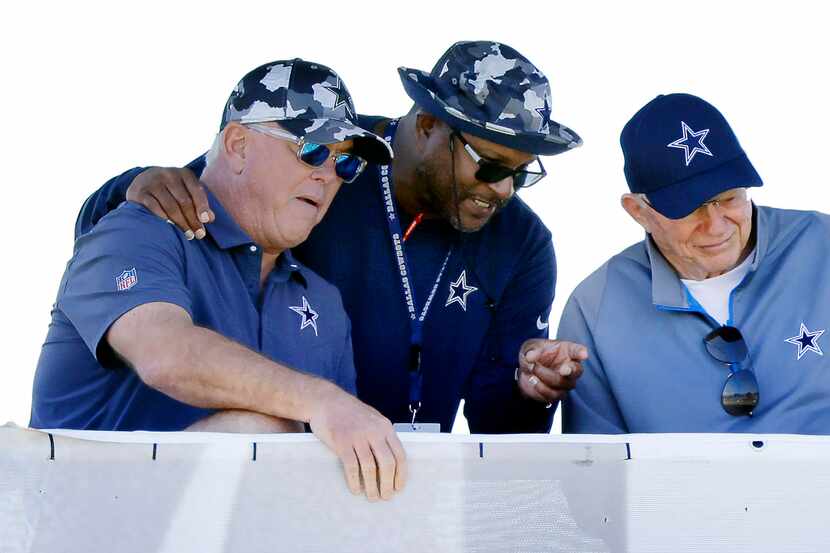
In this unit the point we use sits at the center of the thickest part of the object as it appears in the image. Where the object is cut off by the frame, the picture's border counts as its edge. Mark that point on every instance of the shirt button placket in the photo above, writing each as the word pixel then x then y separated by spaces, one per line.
pixel 254 270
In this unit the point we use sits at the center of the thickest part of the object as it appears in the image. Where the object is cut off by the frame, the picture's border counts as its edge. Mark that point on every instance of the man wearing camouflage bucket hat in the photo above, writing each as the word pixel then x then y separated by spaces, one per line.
pixel 448 282
pixel 151 331
pixel 714 322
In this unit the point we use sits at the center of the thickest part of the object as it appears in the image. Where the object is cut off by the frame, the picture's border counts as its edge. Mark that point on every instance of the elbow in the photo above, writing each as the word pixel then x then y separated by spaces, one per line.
pixel 163 367
pixel 156 373
pixel 157 341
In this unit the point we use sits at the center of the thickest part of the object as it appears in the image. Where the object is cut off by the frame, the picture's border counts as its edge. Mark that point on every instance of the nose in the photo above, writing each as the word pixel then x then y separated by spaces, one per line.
pixel 714 219
pixel 325 172
pixel 503 188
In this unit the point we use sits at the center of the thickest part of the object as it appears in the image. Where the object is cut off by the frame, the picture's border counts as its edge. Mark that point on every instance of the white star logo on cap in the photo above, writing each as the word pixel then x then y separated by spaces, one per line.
pixel 696 138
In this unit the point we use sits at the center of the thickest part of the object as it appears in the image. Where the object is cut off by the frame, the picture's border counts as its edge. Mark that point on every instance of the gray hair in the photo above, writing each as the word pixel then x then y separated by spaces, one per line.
pixel 213 153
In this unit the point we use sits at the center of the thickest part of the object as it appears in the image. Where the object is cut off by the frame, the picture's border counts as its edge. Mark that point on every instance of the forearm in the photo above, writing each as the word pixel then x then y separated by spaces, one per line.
pixel 246 422
pixel 208 370
pixel 200 367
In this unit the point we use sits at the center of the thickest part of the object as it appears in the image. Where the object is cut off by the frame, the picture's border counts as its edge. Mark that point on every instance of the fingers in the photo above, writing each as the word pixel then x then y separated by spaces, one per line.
pixel 172 211
pixel 364 440
pixel 576 351
pixel 527 384
pixel 552 352
pixel 377 468
pixel 179 193
pixel 351 468
pixel 546 393
pixel 384 472
pixel 198 196
pixel 400 461
pixel 552 384
pixel 368 471
pixel 550 368
pixel 533 350
pixel 385 462
pixel 155 207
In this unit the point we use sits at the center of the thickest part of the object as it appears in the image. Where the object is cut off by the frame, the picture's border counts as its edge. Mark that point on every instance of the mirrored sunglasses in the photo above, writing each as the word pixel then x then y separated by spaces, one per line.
pixel 740 393
pixel 347 166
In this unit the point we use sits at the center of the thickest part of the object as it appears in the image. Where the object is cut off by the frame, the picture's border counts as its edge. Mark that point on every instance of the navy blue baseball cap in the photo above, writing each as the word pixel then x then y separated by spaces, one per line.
pixel 680 152
pixel 491 91
pixel 309 100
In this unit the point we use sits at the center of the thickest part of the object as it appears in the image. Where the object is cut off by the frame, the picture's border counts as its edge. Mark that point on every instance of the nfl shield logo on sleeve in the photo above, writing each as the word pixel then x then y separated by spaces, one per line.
pixel 126 280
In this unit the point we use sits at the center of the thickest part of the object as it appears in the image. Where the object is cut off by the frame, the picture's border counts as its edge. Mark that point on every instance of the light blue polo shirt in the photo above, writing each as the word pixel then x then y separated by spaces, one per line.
pixel 131 258
pixel 649 370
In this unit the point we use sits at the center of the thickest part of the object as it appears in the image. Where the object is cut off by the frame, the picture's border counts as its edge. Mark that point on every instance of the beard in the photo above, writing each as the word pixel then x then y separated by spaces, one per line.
pixel 435 194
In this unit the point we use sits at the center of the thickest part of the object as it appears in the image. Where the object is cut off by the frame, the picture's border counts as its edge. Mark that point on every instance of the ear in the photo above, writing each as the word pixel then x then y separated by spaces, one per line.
pixel 426 125
pixel 234 146
pixel 637 209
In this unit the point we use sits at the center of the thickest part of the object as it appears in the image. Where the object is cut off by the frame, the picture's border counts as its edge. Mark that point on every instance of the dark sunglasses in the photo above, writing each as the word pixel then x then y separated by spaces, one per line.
pixel 740 393
pixel 346 166
pixel 490 171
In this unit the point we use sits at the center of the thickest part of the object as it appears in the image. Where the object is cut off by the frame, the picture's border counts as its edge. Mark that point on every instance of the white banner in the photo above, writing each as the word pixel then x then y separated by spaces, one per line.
pixel 179 492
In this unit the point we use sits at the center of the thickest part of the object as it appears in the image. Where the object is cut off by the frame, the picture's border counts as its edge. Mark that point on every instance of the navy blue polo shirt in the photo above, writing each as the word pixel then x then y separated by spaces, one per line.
pixel 131 258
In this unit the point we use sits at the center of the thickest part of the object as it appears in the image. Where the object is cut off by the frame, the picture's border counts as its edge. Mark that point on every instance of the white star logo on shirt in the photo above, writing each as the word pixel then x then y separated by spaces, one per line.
pixel 307 314
pixel 806 341
pixel 455 297
pixel 694 137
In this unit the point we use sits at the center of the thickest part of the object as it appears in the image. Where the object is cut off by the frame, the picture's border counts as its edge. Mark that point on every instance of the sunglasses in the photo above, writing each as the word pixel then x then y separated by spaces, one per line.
pixel 740 391
pixel 346 166
pixel 490 171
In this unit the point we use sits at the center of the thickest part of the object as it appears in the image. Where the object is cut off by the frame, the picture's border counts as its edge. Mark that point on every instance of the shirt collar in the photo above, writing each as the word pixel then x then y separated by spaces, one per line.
pixel 224 230
pixel 761 230
pixel 666 288
pixel 228 234
pixel 287 266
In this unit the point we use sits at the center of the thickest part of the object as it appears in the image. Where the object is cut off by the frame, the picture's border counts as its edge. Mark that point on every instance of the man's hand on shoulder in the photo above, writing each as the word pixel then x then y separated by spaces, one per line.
pixel 548 369
pixel 174 194
pixel 363 439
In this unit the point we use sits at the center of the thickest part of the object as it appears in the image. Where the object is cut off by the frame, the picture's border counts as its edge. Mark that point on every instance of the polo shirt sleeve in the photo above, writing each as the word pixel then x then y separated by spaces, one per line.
pixel 590 408
pixel 104 200
pixel 113 193
pixel 493 403
pixel 130 258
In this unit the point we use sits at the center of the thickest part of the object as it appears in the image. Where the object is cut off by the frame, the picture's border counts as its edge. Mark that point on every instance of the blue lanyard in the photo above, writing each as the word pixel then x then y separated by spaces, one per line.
pixel 416 320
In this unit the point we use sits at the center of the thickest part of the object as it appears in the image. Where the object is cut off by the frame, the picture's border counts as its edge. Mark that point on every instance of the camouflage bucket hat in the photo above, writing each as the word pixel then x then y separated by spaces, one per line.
pixel 307 99
pixel 491 91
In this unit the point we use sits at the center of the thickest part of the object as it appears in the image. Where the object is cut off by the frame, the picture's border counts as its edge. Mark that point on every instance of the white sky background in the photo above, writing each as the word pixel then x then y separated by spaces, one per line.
pixel 91 90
